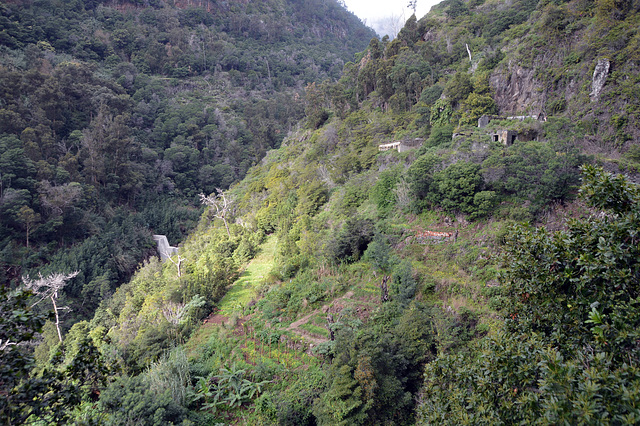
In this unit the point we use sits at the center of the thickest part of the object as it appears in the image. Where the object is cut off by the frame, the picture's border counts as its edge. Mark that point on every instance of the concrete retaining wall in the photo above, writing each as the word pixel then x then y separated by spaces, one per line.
pixel 164 249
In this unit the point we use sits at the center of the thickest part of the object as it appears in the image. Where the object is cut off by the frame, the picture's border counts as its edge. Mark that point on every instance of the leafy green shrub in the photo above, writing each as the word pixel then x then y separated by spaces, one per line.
pixel 379 254
pixel 484 203
pixel 342 403
pixel 557 106
pixel 431 94
pixel 459 87
pixel 312 196
pixel 403 283
pixel 383 193
pixel 420 178
pixel 346 165
pixel 619 121
pixel 456 8
pixel 440 135
pixel 456 186
pixel 536 172
pixel 569 345
pixel 491 61
pixel 633 153
pixel 352 240
pixel 292 404
pixel 376 369
pixel 529 380
pixel 316 292
pixel 475 106
pixel 211 283
pixel 131 400
pixel 441 112
pixel 149 346
pixel 456 331
pixel 595 262
pixel 353 196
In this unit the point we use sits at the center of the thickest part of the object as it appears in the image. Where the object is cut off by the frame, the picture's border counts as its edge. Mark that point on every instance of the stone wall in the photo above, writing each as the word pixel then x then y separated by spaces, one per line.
pixel 401 146
pixel 164 249
pixel 433 236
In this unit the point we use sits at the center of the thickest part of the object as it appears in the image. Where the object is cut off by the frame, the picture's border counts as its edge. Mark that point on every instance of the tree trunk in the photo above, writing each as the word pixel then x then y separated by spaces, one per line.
pixel 384 296
pixel 226 226
pixel 55 309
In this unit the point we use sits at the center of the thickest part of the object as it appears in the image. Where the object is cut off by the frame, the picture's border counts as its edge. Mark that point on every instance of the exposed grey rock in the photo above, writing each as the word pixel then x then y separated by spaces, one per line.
pixel 600 75
pixel 517 90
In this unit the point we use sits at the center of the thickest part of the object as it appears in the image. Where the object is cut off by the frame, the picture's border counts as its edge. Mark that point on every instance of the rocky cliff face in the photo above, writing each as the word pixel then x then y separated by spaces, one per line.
pixel 599 78
pixel 517 90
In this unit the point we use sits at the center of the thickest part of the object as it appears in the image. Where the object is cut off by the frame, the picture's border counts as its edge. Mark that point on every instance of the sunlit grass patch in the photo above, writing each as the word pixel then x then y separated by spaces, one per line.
pixel 314 329
pixel 244 289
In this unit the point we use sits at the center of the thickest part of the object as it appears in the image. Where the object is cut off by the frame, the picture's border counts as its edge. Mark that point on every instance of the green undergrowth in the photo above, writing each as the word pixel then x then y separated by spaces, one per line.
pixel 245 288
pixel 346 271
pixel 314 329
pixel 277 363
pixel 238 295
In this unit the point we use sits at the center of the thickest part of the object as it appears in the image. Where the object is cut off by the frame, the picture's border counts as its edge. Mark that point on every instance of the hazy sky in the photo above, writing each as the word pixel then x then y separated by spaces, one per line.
pixel 387 16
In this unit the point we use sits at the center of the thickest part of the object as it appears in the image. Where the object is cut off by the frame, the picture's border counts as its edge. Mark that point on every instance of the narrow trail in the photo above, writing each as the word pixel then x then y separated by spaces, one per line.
pixel 239 294
pixel 244 289
pixel 294 327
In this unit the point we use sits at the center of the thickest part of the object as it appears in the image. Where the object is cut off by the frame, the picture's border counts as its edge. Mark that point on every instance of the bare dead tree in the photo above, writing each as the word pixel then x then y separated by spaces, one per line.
pixel 173 312
pixel 178 263
pixel 220 206
pixel 390 25
pixel 4 344
pixel 48 288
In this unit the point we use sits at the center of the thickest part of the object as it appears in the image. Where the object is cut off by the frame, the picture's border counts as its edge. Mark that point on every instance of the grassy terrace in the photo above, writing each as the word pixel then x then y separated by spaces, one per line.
pixel 239 294
pixel 244 289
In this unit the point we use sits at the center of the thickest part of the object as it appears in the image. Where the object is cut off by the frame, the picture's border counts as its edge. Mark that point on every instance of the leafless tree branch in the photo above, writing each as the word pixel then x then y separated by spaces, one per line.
pixel 220 206
pixel 48 287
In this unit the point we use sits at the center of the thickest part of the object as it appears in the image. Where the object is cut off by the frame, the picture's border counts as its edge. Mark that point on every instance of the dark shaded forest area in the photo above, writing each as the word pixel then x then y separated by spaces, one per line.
pixel 114 116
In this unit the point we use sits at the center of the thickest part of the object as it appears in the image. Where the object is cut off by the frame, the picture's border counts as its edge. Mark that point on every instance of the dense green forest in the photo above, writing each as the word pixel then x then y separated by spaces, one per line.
pixel 115 116
pixel 485 272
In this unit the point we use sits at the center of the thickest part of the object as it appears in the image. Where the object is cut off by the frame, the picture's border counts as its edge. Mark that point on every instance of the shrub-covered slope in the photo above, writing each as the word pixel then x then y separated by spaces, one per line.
pixel 115 115
pixel 399 290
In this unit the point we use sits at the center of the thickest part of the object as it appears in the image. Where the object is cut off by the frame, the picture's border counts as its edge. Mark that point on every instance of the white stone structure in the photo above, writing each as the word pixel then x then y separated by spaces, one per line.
pixel 401 146
pixel 164 249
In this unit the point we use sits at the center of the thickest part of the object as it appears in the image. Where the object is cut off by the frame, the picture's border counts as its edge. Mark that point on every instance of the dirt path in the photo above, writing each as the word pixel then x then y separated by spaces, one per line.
pixel 294 327
pixel 238 296
pixel 215 319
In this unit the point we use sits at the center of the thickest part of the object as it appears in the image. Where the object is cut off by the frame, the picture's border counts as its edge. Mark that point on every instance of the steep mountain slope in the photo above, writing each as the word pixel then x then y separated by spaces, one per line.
pixel 115 115
pixel 401 292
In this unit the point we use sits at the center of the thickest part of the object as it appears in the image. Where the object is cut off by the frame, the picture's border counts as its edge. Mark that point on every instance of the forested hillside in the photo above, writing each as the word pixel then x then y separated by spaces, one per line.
pixel 116 115
pixel 446 236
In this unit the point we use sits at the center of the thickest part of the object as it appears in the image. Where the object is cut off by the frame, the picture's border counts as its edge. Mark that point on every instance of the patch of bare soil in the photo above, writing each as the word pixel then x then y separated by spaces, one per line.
pixel 215 319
